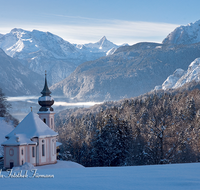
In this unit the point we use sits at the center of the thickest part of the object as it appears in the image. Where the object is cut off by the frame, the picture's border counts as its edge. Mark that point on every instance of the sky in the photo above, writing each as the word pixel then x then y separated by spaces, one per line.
pixel 84 21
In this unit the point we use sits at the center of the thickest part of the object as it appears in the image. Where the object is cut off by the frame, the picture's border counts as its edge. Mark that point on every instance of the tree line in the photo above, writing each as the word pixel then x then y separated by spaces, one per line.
pixel 155 130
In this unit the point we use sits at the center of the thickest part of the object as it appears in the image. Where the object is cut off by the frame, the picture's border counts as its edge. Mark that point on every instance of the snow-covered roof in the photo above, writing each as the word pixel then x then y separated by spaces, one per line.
pixel 58 144
pixel 19 139
pixel 32 126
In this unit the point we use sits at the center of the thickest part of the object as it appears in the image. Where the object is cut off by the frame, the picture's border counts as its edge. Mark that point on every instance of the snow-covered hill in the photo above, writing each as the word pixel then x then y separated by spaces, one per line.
pixel 181 77
pixel 155 177
pixel 189 34
pixel 42 51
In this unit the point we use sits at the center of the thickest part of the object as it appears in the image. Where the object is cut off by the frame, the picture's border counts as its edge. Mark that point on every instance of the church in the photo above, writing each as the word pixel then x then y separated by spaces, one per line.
pixel 34 139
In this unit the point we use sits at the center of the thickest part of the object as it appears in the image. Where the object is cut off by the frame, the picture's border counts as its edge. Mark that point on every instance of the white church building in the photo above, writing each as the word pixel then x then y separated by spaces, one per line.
pixel 34 139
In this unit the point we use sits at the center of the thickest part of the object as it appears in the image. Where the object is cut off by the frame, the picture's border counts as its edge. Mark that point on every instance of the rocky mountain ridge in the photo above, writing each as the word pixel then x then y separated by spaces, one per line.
pixel 181 77
pixel 129 72
pixel 41 51
pixel 188 34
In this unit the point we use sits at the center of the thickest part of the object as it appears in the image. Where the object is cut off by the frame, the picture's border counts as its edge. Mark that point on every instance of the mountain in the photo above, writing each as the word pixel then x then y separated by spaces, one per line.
pixel 181 77
pixel 42 51
pixel 171 80
pixel 129 72
pixel 103 45
pixel 1 35
pixel 189 34
pixel 16 79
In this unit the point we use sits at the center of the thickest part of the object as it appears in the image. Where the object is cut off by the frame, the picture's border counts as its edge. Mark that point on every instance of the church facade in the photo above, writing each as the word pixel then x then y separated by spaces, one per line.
pixel 34 139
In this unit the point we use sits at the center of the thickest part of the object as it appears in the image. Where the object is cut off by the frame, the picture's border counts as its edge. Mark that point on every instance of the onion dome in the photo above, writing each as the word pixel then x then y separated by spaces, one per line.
pixel 46 101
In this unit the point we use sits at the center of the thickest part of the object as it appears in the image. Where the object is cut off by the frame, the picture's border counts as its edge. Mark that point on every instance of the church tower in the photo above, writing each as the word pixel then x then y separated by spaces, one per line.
pixel 46 112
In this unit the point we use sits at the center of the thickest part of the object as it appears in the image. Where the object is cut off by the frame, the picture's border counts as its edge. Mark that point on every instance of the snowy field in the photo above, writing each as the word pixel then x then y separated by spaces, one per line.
pixel 76 177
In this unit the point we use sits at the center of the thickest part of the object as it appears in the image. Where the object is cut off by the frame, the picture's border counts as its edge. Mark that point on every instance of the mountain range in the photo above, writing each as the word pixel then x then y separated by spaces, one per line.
pixel 102 70
pixel 40 51
pixel 133 70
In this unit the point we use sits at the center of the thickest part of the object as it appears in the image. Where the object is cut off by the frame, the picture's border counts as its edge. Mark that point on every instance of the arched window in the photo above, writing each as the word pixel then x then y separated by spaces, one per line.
pixel 33 151
pixel 51 122
pixel 22 151
pixel 43 151
pixel 44 120
pixel 22 162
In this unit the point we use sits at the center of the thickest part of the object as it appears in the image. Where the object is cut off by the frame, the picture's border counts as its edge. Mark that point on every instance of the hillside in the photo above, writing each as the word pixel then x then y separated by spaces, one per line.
pixel 136 131
pixel 129 72
pixel 16 79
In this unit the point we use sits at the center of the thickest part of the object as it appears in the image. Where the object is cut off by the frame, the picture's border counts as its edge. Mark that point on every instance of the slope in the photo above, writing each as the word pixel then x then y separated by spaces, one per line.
pixel 16 79
pixel 130 71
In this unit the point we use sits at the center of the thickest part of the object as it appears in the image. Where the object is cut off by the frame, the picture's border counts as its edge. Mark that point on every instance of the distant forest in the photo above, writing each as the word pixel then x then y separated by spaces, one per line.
pixel 157 129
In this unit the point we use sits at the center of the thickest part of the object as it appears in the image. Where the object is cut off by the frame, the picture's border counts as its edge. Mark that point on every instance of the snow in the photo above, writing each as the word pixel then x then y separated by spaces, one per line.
pixel 171 80
pixel 58 144
pixel 189 34
pixel 32 126
pixel 165 177
pixel 58 165
pixel 103 45
pixel 26 166
pixel 18 139
pixel 181 77
pixel 193 73
pixel 111 51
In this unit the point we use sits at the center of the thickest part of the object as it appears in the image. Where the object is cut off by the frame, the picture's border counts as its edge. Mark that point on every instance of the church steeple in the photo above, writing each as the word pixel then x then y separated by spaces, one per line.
pixel 46 101
pixel 46 112
pixel 46 91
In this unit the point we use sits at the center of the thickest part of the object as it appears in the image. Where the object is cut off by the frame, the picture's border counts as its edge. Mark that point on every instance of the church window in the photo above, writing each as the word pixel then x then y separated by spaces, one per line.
pixel 22 151
pixel 51 122
pixel 33 151
pixel 11 152
pixel 22 162
pixel 44 120
pixel 43 153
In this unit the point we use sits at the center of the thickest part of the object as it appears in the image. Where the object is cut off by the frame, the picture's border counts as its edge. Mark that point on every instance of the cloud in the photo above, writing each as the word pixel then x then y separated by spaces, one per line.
pixel 84 30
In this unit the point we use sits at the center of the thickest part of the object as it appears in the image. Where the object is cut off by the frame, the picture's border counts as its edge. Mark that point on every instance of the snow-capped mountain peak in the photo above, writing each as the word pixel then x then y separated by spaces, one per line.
pixel 41 51
pixel 181 77
pixel 102 45
pixel 188 34
pixel 102 41
pixel 171 80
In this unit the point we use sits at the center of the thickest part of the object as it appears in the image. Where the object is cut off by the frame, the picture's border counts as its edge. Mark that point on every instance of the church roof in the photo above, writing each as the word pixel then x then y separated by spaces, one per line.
pixel 32 126
pixel 19 139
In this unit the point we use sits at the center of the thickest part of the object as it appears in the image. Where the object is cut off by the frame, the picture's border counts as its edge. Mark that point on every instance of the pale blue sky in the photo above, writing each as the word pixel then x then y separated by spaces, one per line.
pixel 82 21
